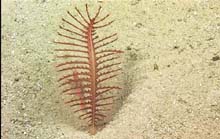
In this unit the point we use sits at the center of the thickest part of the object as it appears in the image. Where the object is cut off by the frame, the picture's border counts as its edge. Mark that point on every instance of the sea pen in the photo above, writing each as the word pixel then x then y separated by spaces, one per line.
pixel 87 64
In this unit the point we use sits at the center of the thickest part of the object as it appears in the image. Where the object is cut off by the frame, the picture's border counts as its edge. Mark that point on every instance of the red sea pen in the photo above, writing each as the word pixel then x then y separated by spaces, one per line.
pixel 87 65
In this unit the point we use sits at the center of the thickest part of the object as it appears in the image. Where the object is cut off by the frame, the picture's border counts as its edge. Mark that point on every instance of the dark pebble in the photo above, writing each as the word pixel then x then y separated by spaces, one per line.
pixel 215 58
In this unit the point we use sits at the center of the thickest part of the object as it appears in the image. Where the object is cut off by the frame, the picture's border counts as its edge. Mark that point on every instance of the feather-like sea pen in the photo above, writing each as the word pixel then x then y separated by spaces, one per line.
pixel 87 64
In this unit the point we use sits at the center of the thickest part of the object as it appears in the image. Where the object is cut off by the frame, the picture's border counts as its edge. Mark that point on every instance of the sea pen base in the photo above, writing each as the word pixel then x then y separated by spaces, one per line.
pixel 92 130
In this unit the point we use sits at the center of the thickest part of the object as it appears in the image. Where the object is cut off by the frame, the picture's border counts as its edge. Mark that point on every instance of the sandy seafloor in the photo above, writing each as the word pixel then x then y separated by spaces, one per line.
pixel 171 67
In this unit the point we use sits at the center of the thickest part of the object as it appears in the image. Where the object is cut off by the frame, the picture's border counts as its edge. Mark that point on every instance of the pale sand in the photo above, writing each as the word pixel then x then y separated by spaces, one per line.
pixel 171 70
